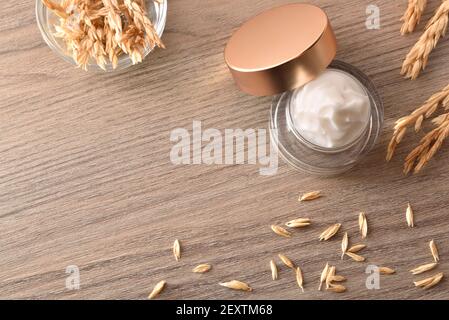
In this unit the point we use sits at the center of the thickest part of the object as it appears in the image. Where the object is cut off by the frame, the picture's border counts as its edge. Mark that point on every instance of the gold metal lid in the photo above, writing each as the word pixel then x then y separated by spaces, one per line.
pixel 281 49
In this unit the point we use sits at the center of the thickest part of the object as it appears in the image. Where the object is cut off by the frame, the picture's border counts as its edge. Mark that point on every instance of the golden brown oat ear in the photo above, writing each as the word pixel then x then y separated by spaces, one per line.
pixel 432 141
pixel 417 58
pixel 412 15
pixel 56 8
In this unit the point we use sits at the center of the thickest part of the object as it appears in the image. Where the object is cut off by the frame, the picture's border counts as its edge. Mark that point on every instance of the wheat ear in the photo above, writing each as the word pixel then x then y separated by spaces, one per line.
pixel 417 58
pixel 412 15
pixel 417 117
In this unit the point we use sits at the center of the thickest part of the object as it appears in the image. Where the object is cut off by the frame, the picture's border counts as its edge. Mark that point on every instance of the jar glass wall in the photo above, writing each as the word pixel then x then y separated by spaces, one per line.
pixel 308 157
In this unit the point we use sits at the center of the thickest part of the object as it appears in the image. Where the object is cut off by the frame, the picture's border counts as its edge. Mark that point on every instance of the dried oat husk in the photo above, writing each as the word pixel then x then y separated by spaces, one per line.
pixel 412 15
pixel 299 223
pixel 236 285
pixel 299 278
pixel 337 288
pixel 418 57
pixel 386 271
pixel 356 248
pixel 363 225
pixel 323 276
pixel 202 268
pixel 309 196
pixel 157 290
pixel 281 231
pixel 344 245
pixel 330 232
pixel 177 250
pixel 102 30
pixel 330 275
pixel 432 141
pixel 434 251
pixel 355 256
pixel 286 261
pixel 424 268
pixel 274 270
pixel 429 282
pixel 409 216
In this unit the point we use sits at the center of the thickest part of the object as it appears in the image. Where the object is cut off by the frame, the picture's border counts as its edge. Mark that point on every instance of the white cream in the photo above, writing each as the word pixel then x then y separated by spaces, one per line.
pixel 332 110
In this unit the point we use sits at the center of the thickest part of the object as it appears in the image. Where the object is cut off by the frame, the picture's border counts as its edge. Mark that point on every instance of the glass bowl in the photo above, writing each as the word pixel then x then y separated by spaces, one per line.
pixel 46 21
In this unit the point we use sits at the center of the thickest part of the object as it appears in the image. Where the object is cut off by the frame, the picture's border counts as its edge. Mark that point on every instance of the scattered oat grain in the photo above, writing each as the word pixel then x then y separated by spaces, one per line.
pixel 434 251
pixel 286 261
pixel 202 268
pixel 236 285
pixel 299 223
pixel 386 270
pixel 356 248
pixel 177 250
pixel 274 270
pixel 429 282
pixel 157 289
pixel 344 245
pixel 355 257
pixel 281 231
pixel 424 268
pixel 337 288
pixel 363 225
pixel 330 232
pixel 299 278
pixel 410 216
pixel 310 196
pixel 324 275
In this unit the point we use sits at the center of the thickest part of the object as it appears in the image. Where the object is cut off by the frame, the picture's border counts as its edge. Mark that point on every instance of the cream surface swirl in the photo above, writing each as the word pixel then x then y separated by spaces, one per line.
pixel 332 110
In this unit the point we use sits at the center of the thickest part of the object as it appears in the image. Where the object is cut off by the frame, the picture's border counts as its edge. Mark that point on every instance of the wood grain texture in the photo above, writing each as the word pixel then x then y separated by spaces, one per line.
pixel 86 178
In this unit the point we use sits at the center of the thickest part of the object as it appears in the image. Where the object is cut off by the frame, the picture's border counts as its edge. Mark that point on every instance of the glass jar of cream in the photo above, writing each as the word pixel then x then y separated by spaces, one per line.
pixel 326 114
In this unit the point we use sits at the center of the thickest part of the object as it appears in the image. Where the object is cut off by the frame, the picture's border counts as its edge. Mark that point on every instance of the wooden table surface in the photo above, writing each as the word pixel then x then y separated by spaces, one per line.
pixel 86 177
